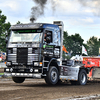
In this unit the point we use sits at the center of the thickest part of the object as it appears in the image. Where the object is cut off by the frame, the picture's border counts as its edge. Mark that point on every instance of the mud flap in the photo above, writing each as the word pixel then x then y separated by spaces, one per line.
pixel 96 73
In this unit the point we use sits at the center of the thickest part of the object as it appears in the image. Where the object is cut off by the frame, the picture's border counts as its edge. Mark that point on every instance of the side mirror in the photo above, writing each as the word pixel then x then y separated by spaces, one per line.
pixel 6 39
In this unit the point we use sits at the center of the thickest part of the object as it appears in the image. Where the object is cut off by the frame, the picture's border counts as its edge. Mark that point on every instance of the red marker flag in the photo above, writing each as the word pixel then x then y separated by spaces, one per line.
pixel 64 49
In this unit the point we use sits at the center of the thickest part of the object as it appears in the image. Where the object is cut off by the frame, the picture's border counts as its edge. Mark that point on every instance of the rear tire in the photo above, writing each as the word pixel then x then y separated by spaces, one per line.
pixel 18 79
pixel 82 77
pixel 52 76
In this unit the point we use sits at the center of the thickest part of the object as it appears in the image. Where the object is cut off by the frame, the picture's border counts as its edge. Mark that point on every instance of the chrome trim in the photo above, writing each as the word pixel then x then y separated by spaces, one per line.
pixel 38 75
pixel 68 78
pixel 29 50
pixel 12 54
pixel 32 54
pixel 14 50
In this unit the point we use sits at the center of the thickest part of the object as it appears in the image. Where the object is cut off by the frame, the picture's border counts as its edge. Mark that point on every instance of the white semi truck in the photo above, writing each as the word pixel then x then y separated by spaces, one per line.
pixel 29 56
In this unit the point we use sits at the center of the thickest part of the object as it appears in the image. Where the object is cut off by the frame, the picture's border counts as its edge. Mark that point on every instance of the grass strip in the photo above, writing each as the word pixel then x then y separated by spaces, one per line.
pixel 1 73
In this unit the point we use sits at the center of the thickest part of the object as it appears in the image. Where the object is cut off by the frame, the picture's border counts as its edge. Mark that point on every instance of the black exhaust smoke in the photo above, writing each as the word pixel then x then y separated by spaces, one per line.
pixel 38 10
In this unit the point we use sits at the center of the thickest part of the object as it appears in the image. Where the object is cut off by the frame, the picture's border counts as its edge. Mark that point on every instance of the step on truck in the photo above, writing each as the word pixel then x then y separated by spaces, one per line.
pixel 34 50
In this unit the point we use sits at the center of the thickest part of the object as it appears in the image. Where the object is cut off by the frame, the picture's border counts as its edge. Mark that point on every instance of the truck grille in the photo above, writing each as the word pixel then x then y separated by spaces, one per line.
pixel 22 55
pixel 34 56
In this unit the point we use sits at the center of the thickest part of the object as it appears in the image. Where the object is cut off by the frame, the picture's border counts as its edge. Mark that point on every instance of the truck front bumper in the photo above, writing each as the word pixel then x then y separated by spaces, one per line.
pixel 27 75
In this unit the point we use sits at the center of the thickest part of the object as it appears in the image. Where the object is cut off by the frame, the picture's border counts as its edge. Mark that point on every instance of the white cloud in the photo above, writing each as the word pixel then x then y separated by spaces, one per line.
pixel 68 6
pixel 10 5
pixel 94 5
pixel 72 11
pixel 87 20
pixel 16 10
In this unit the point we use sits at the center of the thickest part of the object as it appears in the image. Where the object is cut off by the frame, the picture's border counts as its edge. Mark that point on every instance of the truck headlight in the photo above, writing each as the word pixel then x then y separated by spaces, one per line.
pixel 36 70
pixel 8 63
pixel 40 63
pixel 36 64
pixel 7 70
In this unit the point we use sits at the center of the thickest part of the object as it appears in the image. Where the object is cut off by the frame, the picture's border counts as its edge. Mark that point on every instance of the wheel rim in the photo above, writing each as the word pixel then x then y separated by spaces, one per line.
pixel 83 78
pixel 53 76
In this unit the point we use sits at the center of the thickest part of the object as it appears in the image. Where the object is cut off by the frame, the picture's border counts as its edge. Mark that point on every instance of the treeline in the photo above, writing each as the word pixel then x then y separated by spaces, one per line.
pixel 73 43
pixel 4 29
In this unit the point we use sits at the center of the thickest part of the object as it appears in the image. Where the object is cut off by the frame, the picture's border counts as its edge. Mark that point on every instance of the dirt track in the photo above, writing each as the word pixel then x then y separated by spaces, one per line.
pixel 1 70
pixel 36 89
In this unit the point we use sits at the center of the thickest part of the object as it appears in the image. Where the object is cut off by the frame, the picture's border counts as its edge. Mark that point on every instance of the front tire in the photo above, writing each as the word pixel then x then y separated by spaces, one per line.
pixel 82 77
pixel 52 76
pixel 18 79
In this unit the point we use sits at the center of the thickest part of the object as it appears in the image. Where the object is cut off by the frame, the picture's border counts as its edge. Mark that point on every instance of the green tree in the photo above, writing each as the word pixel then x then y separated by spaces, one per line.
pixel 73 43
pixel 18 22
pixel 4 29
pixel 93 46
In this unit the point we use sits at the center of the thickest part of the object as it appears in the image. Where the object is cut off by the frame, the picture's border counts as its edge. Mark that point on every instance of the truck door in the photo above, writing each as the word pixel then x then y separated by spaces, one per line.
pixel 52 44
pixel 48 47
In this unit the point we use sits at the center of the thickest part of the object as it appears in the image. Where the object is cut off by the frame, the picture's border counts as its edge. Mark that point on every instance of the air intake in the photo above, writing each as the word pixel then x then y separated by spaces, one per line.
pixel 59 23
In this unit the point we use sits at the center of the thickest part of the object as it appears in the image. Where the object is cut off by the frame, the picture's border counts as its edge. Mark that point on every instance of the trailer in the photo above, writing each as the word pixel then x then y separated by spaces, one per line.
pixel 93 65
pixel 32 55
pixel 0 58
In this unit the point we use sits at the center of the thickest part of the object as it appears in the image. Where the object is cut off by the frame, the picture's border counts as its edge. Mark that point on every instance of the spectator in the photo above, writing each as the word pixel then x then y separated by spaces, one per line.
pixel 45 37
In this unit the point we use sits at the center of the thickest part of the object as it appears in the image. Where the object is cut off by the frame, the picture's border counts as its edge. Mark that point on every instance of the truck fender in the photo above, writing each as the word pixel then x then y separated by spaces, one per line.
pixel 86 69
pixel 52 60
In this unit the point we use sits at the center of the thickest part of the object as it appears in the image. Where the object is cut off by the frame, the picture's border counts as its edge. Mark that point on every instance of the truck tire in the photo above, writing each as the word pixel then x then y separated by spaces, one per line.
pixel 82 77
pixel 52 76
pixel 18 79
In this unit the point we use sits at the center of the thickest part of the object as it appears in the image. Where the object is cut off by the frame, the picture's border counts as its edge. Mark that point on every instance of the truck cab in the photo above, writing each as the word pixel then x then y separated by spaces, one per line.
pixel 28 54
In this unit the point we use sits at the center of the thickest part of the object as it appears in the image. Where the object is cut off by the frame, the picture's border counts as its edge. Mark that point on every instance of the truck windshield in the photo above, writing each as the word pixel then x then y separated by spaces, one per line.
pixel 25 37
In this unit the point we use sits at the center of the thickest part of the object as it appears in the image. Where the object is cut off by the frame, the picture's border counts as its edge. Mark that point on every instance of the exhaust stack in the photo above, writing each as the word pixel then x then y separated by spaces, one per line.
pixel 32 20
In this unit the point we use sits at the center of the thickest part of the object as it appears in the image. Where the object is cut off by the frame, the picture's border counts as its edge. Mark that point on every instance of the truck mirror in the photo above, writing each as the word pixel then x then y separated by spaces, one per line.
pixel 6 39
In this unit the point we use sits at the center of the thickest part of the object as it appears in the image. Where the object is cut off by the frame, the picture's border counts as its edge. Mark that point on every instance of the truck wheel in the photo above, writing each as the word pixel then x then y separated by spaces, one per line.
pixel 18 79
pixel 82 77
pixel 52 76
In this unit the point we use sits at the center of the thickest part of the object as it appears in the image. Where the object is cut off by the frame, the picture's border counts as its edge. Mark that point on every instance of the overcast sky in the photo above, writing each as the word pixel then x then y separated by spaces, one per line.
pixel 79 16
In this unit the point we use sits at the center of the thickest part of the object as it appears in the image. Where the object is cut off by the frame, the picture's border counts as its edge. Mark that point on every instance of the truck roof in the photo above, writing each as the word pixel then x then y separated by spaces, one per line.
pixel 33 26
